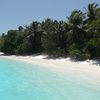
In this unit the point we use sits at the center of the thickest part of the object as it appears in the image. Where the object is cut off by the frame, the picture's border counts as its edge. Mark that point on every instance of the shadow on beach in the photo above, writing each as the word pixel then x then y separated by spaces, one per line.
pixel 52 57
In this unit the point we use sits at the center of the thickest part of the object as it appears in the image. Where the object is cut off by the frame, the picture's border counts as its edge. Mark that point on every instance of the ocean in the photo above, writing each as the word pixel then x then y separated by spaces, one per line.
pixel 24 81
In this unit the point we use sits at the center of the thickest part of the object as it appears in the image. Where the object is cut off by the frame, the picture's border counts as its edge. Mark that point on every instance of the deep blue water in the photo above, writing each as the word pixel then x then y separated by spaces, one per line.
pixel 24 81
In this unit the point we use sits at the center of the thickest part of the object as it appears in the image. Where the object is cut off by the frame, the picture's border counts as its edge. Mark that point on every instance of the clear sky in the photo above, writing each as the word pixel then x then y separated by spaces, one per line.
pixel 14 13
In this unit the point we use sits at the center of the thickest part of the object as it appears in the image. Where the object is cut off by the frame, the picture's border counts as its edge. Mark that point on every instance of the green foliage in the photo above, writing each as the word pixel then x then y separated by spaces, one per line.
pixel 8 44
pixel 93 48
pixel 92 11
pixel 54 39
pixel 76 17
pixel 1 42
pixel 75 52
pixel 79 37
pixel 25 48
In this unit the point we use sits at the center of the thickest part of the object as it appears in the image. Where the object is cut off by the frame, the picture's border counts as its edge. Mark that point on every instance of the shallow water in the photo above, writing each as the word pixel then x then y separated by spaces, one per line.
pixel 24 81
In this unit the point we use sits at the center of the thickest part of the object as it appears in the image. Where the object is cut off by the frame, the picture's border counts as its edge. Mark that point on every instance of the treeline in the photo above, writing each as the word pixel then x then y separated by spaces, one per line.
pixel 78 37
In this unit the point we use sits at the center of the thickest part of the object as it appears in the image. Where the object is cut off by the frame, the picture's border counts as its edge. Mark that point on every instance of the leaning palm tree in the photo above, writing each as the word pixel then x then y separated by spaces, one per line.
pixel 76 17
pixel 92 11
pixel 93 15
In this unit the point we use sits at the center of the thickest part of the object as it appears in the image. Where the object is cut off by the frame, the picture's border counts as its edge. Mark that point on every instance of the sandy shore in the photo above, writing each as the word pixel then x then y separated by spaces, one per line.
pixel 88 71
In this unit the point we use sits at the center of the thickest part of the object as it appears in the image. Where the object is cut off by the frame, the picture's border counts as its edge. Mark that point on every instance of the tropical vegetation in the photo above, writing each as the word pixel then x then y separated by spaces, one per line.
pixel 78 37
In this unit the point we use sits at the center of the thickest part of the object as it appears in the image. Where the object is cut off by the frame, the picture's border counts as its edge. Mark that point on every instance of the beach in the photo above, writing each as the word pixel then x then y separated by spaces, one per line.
pixel 88 71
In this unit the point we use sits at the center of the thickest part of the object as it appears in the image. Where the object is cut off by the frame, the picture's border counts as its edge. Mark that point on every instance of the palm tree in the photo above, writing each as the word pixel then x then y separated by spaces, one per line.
pixel 76 17
pixel 92 11
pixel 76 32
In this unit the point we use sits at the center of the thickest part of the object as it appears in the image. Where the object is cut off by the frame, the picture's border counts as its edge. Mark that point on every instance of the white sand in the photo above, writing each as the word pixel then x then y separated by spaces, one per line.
pixel 79 70
pixel 1 53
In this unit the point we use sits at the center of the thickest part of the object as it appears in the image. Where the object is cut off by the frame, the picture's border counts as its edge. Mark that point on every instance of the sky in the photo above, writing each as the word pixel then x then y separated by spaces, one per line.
pixel 14 13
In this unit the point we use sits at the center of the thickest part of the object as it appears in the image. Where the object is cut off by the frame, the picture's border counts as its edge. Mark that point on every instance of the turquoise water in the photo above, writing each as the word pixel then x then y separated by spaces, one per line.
pixel 23 81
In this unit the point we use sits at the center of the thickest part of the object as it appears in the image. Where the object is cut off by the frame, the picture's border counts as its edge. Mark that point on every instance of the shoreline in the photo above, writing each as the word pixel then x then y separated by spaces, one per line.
pixel 78 70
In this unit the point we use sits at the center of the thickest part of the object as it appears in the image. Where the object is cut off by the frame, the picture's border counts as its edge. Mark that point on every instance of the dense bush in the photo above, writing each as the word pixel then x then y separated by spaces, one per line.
pixel 79 37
